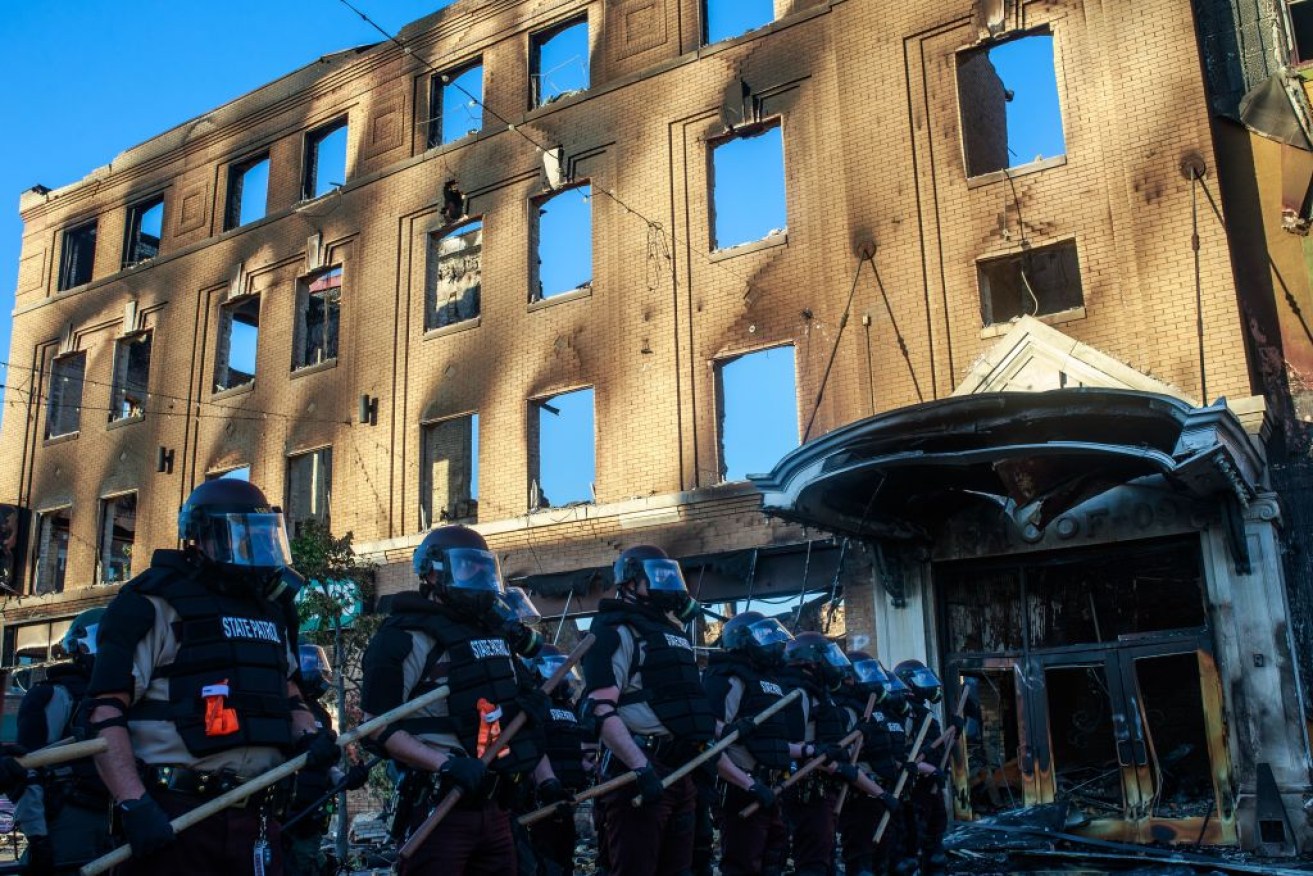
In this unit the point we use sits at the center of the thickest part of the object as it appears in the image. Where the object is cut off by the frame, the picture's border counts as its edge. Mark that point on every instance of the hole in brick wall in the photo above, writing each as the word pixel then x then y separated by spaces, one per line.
pixel 455 276
pixel 309 489
pixel 559 62
pixel 319 311
pixel 758 404
pixel 565 242
pixel 325 159
pixel 248 192
pixel 449 474
pixel 564 467
pixel 118 531
pixel 131 375
pixel 64 396
pixel 238 341
pixel 145 227
pixel 455 107
pixel 1008 99
pixel 726 19
pixel 747 182
pixel 1033 282
pixel 78 256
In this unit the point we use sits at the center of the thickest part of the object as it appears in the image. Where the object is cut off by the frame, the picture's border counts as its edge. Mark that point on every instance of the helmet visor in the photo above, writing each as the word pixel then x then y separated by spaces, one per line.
pixel 519 607
pixel 923 678
pixel 314 660
pixel 870 672
pixel 835 657
pixel 257 541
pixel 768 632
pixel 467 569
pixel 664 576
pixel 549 663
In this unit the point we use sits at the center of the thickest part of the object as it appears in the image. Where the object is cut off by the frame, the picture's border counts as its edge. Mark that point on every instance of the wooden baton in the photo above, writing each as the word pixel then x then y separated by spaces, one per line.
pixel 857 753
pixel 803 771
pixel 902 777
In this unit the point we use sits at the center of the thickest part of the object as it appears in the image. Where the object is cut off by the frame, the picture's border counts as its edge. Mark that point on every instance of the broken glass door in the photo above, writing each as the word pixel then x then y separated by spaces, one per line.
pixel 997 771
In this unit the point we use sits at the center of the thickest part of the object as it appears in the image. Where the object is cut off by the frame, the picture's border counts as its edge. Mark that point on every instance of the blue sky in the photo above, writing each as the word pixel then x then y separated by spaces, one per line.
pixel 87 79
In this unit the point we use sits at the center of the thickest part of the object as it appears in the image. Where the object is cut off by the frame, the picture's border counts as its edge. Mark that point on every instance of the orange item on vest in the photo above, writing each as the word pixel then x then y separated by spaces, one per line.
pixel 219 720
pixel 489 727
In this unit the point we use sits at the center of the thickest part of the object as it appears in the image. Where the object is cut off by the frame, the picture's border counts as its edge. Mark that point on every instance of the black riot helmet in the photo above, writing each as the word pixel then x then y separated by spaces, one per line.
pixel 763 639
pixel 454 564
pixel 316 670
pixel 869 675
pixel 549 659
pixel 231 524
pixel 79 642
pixel 666 590
pixel 823 658
pixel 921 681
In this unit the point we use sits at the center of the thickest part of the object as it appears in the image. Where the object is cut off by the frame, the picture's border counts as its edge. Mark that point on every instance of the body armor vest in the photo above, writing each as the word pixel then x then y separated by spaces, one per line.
pixel 74 679
pixel 769 743
pixel 481 667
pixel 828 719
pixel 671 684
pixel 231 659
pixel 885 737
pixel 564 746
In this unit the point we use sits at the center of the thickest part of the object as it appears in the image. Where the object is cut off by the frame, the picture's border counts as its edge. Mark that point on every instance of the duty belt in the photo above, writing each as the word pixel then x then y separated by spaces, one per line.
pixel 200 783
pixel 665 749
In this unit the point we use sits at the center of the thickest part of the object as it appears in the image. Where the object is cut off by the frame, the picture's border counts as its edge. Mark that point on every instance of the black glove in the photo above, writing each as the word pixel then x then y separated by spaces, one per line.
pixel 870 730
pixel 466 773
pixel 744 726
pixel 535 704
pixel 13 778
pixel 846 771
pixel 650 789
pixel 764 793
pixel 957 723
pixel 834 753
pixel 310 786
pixel 40 857
pixel 146 825
pixel 320 749
pixel 890 802
pixel 357 776
pixel 552 791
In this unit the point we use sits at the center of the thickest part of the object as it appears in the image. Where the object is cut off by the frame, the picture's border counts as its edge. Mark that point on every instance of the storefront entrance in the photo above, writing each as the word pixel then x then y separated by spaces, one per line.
pixel 1091 682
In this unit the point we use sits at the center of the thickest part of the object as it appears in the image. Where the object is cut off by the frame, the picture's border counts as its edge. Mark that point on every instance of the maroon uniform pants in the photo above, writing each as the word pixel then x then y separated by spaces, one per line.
pixel 752 845
pixel 651 840
pixel 222 845
pixel 471 839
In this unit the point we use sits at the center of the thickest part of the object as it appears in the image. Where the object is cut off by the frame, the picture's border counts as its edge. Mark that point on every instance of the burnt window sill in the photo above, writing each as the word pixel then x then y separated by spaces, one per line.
pixel 585 291
pixel 780 238
pixel 315 368
pixel 995 176
pixel 120 422
pixel 60 439
pixel 452 328
pixel 1058 318
pixel 232 391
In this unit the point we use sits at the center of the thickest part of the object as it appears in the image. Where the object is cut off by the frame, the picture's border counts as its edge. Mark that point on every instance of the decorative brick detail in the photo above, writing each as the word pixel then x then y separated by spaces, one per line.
pixel 192 207
pixel 32 271
pixel 387 127
pixel 639 26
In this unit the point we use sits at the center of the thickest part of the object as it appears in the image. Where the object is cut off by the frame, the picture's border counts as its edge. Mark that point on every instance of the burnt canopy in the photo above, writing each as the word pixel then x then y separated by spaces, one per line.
pixel 1033 455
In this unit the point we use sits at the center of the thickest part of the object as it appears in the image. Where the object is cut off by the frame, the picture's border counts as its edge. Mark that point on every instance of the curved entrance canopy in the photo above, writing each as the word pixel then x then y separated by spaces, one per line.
pixel 1034 455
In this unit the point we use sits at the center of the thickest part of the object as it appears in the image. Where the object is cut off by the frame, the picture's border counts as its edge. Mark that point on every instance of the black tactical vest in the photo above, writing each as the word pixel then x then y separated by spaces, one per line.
pixel 829 719
pixel 884 735
pixel 670 681
pixel 769 743
pixel 74 679
pixel 230 646
pixel 480 665
pixel 564 746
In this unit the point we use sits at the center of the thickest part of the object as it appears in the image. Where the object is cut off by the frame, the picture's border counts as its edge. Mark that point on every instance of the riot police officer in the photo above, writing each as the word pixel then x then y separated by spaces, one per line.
pixel 63 814
pixel 453 631
pixel 741 681
pixel 883 747
pixel 566 738
pixel 195 682
pixel 927 796
pixel 652 714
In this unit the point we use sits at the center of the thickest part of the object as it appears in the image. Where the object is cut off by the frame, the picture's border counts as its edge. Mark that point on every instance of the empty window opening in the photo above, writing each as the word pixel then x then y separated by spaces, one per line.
pixel 1034 282
pixel 1177 732
pixel 78 257
pixel 449 479
pixel 30 643
pixel 309 489
pixel 248 192
pixel 726 19
pixel 318 318
pixel 118 531
pixel 455 276
pixel 1008 98
pixel 560 62
pixel 240 473
pixel 1082 733
pixel 53 528
pixel 64 399
pixel 1301 29
pixel 131 374
pixel 239 334
pixel 747 179
pixel 758 411
pixel 565 243
pixel 455 105
pixel 993 741
pixel 565 465
pixel 145 227
pixel 325 159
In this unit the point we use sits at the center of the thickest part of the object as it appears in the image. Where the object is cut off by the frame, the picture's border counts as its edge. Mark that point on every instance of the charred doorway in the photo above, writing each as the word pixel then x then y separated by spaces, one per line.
pixel 1091 681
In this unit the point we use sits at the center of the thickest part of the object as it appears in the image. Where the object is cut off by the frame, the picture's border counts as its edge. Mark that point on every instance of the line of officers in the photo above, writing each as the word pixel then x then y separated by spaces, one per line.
pixel 193 677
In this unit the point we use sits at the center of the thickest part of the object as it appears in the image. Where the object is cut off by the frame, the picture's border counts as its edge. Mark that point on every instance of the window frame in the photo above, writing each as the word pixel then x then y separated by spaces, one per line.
pixel 301 328
pixel 722 399
pixel 67 261
pixel 537 295
pixel 743 133
pixel 538 39
pixel 225 311
pixel 51 397
pixel 132 231
pixel 105 527
pixel 122 346
pixel 433 137
pixel 232 204
pixel 985 289
pixel 432 268
pixel 314 139
pixel 428 517
pixel 325 517
pixel 538 407
pixel 40 557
